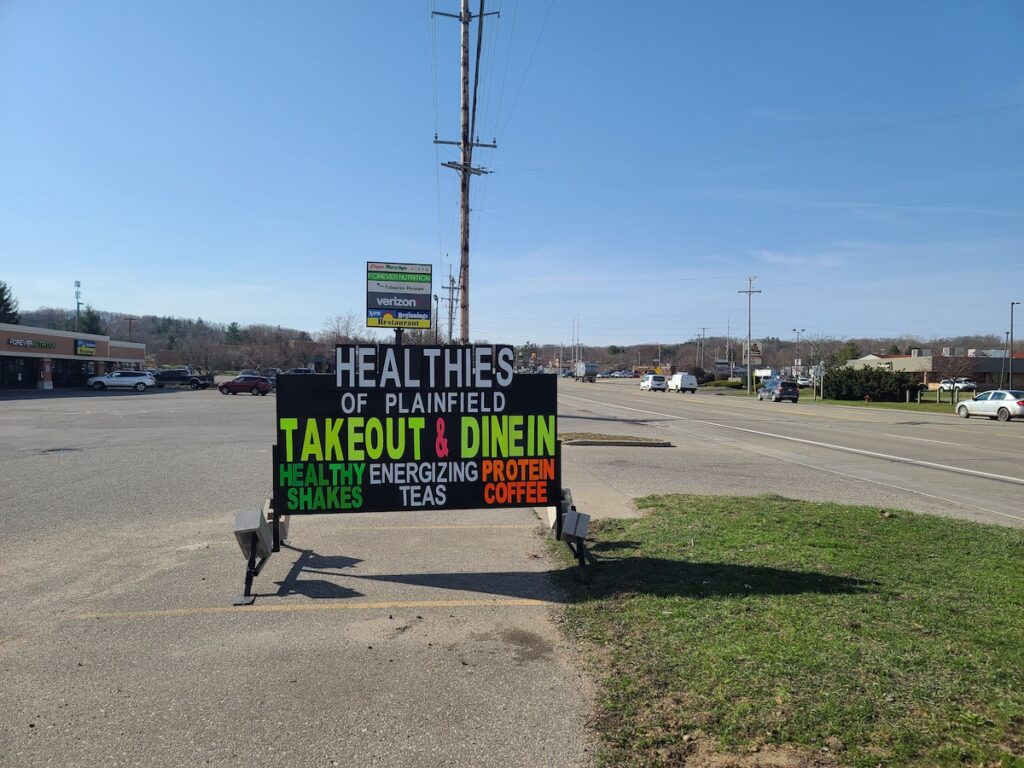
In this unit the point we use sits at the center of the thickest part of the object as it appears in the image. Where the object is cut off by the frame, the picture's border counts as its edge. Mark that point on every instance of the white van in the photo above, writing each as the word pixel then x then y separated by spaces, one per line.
pixel 682 382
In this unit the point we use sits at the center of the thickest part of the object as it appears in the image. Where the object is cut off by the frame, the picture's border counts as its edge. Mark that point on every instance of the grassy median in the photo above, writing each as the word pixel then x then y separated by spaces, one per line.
pixel 851 635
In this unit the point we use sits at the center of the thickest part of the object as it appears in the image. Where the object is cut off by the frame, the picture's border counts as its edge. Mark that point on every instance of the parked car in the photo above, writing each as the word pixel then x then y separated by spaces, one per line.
pixel 183 377
pixel 137 380
pixel 249 372
pixel 682 382
pixel 779 390
pixel 300 370
pixel 1002 404
pixel 948 385
pixel 653 382
pixel 803 382
pixel 256 385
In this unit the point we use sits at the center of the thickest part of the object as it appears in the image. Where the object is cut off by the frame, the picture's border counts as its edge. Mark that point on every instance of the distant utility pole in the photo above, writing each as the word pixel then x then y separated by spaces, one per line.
pixel 750 292
pixel 450 299
pixel 1010 361
pixel 728 343
pixel 466 143
pixel 700 347
pixel 1002 365
pixel 577 350
pixel 798 331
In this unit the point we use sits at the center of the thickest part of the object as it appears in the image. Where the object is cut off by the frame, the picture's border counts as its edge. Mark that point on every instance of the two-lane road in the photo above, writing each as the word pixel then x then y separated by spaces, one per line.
pixel 930 463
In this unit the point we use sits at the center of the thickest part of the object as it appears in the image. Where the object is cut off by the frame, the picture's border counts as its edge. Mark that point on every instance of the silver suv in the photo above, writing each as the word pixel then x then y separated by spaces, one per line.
pixel 959 384
pixel 137 380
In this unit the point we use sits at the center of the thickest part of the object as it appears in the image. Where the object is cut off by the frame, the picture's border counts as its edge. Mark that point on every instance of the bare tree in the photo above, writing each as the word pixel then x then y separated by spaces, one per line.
pixel 206 352
pixel 339 329
pixel 954 367
pixel 816 347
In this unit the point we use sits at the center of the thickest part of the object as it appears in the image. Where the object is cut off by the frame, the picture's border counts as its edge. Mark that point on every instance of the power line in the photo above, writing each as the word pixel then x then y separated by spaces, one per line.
pixel 508 61
pixel 528 64
pixel 872 206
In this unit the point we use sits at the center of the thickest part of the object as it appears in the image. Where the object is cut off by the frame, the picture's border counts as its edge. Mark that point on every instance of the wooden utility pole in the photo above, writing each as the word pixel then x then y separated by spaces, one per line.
pixel 450 298
pixel 750 374
pixel 703 334
pixel 466 143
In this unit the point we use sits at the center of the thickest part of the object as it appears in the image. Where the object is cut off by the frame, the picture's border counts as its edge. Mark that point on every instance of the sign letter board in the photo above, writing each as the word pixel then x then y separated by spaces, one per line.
pixel 411 427
pixel 398 295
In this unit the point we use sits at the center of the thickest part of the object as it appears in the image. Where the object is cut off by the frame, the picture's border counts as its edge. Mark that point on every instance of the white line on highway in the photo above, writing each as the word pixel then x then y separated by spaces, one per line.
pixel 816 443
pixel 926 440
pixel 1018 518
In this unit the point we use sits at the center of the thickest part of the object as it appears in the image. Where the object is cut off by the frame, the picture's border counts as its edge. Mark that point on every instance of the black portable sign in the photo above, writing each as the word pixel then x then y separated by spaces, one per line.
pixel 411 427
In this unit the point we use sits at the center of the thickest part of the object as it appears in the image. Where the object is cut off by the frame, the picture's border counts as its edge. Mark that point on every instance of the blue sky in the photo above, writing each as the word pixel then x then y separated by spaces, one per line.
pixel 241 161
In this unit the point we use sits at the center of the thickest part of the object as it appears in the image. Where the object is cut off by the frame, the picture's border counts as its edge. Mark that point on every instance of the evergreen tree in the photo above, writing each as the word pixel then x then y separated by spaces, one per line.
pixel 8 305
pixel 233 334
pixel 849 351
pixel 91 322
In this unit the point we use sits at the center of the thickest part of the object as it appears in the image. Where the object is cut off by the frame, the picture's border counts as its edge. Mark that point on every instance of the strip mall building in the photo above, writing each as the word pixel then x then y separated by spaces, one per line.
pixel 41 358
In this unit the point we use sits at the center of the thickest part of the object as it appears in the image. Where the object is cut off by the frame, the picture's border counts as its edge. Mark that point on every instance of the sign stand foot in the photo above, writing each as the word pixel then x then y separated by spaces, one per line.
pixel 254 539
pixel 571 527
pixel 247 597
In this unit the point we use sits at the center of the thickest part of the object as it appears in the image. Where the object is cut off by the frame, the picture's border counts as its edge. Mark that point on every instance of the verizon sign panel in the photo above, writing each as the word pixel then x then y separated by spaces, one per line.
pixel 398 295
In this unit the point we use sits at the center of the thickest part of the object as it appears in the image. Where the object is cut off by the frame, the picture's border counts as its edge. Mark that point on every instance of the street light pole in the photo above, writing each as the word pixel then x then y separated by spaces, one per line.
pixel 798 332
pixel 1010 385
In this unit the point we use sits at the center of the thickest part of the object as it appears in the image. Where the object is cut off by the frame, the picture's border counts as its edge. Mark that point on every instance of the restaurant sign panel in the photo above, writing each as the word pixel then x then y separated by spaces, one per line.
pixel 416 427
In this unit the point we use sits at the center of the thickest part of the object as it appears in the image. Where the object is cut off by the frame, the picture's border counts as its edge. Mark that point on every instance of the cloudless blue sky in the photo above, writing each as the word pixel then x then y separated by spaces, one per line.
pixel 241 161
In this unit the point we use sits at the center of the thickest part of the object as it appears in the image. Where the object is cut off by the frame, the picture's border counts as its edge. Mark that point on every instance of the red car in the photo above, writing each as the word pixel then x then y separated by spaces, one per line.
pixel 256 385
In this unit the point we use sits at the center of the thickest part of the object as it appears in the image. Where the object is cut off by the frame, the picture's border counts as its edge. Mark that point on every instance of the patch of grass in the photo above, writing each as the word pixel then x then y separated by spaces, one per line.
pixel 759 621
pixel 566 436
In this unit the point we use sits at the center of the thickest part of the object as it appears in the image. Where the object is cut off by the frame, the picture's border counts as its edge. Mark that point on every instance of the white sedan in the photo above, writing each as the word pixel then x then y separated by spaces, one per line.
pixel 137 380
pixel 1002 404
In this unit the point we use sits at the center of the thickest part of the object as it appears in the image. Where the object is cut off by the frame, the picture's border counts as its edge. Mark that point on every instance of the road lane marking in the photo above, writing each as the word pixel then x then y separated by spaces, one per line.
pixel 1018 518
pixel 940 442
pixel 850 476
pixel 530 526
pixel 169 613
pixel 818 444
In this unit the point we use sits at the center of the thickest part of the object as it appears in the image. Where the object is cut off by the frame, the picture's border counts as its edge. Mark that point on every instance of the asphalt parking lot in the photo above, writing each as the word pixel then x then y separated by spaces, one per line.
pixel 390 639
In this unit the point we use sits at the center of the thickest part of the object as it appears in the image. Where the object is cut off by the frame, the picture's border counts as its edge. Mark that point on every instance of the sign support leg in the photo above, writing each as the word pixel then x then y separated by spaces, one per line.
pixel 255 565
pixel 247 597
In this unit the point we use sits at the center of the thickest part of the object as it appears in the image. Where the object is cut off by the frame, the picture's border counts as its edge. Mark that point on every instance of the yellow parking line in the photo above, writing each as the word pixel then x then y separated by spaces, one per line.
pixel 432 527
pixel 168 613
